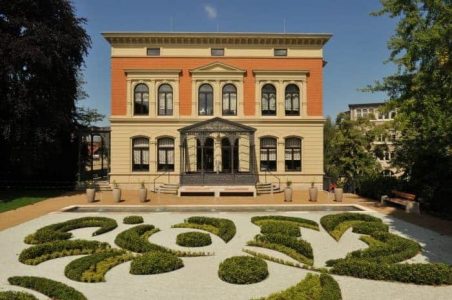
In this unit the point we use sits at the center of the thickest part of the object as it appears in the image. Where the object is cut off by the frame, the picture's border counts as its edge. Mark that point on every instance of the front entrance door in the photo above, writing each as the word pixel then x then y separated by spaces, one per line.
pixel 205 162
pixel 226 156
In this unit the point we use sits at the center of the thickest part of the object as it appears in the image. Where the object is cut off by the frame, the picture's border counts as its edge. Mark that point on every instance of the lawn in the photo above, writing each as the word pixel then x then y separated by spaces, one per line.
pixel 10 200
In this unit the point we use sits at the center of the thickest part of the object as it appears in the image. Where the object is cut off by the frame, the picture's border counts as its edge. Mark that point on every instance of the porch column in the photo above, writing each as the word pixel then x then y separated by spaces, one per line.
pixel 244 153
pixel 232 156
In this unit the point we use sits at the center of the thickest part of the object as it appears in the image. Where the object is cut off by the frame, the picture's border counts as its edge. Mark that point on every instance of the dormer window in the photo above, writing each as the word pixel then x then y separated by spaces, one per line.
pixel 280 52
pixel 217 51
pixel 153 52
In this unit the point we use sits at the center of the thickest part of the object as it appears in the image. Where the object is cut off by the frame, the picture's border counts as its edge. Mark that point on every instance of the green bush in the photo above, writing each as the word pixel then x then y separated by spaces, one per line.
pixel 10 295
pixel 334 224
pixel 223 228
pixel 193 239
pixel 283 249
pixel 135 239
pixel 280 227
pixel 133 220
pixel 155 263
pixel 36 254
pixel 299 221
pixel 377 186
pixel 312 287
pixel 300 246
pixel 243 270
pixel 92 268
pixel 59 231
pixel 50 288
pixel 429 274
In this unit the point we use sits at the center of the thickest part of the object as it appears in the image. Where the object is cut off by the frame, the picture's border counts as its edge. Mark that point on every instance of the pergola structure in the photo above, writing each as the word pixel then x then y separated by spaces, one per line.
pixel 217 151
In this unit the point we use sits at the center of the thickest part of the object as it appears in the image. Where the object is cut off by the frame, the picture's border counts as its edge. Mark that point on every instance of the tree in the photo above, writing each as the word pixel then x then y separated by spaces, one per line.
pixel 422 93
pixel 349 153
pixel 42 49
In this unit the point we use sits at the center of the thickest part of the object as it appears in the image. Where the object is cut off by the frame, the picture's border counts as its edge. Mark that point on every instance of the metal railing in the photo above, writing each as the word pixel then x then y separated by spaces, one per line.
pixel 167 172
pixel 270 172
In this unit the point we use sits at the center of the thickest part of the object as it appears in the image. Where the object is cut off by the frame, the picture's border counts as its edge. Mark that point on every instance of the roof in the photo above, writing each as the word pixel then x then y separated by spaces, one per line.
pixel 217 124
pixel 218 38
pixel 373 104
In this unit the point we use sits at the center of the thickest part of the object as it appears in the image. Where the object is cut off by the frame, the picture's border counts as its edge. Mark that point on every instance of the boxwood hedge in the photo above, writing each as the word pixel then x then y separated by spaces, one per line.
pixel 92 268
pixel 51 288
pixel 337 224
pixel 193 239
pixel 280 227
pixel 135 239
pixel 133 220
pixel 59 231
pixel 10 295
pixel 299 221
pixel 223 228
pixel 155 262
pixel 243 270
pixel 39 253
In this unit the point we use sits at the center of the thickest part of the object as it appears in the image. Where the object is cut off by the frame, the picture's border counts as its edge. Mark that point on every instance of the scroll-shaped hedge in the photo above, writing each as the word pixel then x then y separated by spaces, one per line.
pixel 11 295
pixel 51 288
pixel 223 228
pixel 258 220
pixel 243 270
pixel 60 231
pixel 92 268
pixel 37 254
pixel 155 263
pixel 313 287
pixel 133 220
pixel 193 239
pixel 135 239
pixel 337 224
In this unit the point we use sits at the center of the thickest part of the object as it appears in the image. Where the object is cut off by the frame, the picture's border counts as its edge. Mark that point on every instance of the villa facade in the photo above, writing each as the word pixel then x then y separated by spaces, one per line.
pixel 216 108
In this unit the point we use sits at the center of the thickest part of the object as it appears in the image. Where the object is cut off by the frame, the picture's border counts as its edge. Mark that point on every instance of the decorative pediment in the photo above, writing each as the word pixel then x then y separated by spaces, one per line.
pixel 215 68
pixel 217 125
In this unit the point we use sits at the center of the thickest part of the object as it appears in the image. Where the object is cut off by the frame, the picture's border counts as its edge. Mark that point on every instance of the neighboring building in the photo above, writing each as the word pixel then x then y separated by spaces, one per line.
pixel 216 108
pixel 364 110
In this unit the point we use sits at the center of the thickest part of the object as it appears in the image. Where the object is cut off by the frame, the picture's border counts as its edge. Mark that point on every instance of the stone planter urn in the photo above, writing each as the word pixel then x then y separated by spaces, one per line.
pixel 313 192
pixel 288 192
pixel 143 193
pixel 338 194
pixel 116 192
pixel 90 194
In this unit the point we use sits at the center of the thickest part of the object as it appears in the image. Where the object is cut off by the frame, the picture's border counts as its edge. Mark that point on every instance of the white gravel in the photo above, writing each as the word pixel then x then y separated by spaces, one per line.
pixel 198 279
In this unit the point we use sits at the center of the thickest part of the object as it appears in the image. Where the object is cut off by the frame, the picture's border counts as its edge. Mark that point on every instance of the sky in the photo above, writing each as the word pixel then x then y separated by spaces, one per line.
pixel 355 54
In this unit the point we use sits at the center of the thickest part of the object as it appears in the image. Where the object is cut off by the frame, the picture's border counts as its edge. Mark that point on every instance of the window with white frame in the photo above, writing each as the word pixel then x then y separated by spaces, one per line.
pixel 141 100
pixel 292 101
pixel 268 102
pixel 165 153
pixel 165 100
pixel 140 154
pixel 229 100
pixel 293 154
pixel 268 154
pixel 205 100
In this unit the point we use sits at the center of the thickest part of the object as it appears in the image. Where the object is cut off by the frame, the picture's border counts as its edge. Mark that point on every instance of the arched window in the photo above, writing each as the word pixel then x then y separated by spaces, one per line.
pixel 165 154
pixel 293 154
pixel 141 100
pixel 268 154
pixel 165 100
pixel 229 100
pixel 205 100
pixel 292 100
pixel 140 154
pixel 268 101
pixel 387 173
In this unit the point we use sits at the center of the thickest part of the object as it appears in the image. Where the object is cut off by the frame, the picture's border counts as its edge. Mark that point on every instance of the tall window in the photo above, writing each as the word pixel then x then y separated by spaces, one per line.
pixel 165 154
pixel 268 100
pixel 141 100
pixel 292 100
pixel 268 154
pixel 358 113
pixel 140 154
pixel 293 154
pixel 165 100
pixel 229 100
pixel 205 100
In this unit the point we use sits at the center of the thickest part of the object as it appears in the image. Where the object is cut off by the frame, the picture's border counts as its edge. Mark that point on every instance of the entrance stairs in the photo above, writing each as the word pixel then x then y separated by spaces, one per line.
pixel 167 188
pixel 267 188
pixel 103 185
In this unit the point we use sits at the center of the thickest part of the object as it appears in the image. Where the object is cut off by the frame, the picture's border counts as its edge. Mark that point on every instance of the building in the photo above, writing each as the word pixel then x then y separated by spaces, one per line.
pixel 372 110
pixel 216 108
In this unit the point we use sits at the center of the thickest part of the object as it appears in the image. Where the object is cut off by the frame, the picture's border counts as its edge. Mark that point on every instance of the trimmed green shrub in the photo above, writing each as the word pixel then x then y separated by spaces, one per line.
pixel 243 270
pixel 301 246
pixel 10 295
pixel 337 224
pixel 313 287
pixel 299 221
pixel 155 263
pixel 376 186
pixel 51 288
pixel 280 227
pixel 223 228
pixel 429 274
pixel 193 239
pixel 133 220
pixel 283 249
pixel 135 239
pixel 37 254
pixel 92 268
pixel 59 231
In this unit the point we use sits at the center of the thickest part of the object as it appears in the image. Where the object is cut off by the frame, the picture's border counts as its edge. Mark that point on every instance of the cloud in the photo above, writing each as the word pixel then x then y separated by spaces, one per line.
pixel 210 11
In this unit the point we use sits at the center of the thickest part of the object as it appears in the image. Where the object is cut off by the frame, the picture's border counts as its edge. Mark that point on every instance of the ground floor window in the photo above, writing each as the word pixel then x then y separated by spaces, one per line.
pixel 165 154
pixel 140 154
pixel 268 154
pixel 293 154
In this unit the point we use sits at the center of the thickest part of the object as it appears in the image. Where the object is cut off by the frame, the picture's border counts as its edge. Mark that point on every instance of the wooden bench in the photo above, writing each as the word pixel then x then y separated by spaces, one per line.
pixel 404 199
